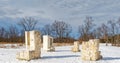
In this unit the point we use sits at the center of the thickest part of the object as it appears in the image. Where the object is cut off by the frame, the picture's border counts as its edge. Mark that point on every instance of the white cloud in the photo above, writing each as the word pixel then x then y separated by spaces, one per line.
pixel 71 11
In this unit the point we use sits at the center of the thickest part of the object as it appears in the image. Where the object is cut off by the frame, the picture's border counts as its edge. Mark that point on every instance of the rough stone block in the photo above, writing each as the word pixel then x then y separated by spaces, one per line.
pixel 33 48
pixel 90 50
pixel 48 43
pixel 75 48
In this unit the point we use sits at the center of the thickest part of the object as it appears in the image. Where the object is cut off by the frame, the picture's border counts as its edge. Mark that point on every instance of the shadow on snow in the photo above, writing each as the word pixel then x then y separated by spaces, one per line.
pixel 65 56
pixel 111 58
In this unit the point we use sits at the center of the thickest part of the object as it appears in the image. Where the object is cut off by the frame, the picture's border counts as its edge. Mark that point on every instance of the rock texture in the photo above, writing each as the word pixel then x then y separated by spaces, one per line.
pixel 75 48
pixel 48 43
pixel 90 50
pixel 33 42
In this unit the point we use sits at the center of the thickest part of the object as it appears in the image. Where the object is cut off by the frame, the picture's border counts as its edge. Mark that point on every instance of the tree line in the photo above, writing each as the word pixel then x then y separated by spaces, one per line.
pixel 108 32
pixel 61 31
pixel 58 29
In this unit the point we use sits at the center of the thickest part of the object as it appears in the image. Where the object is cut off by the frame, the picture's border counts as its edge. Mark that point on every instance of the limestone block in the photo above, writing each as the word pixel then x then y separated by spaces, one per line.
pixel 24 55
pixel 90 50
pixel 48 43
pixel 51 49
pixel 33 48
pixel 75 48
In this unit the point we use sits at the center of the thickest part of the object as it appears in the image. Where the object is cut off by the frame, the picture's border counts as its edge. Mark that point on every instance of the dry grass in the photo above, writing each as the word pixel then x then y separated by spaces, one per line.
pixel 2 46
pixel 63 44
pixel 60 44
pixel 11 43
pixel 22 44
pixel 13 46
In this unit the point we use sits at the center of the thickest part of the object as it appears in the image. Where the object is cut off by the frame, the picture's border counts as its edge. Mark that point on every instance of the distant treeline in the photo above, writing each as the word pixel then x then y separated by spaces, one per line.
pixel 108 32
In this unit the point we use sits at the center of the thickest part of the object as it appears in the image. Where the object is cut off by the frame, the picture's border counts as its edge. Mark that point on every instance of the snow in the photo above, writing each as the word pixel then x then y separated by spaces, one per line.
pixel 63 54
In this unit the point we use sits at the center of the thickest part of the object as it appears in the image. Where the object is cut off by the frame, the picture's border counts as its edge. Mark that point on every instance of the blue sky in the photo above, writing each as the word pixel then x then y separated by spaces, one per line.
pixel 70 11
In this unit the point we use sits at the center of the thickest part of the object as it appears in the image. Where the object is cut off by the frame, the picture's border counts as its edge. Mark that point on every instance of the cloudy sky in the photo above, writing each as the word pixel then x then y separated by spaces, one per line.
pixel 70 11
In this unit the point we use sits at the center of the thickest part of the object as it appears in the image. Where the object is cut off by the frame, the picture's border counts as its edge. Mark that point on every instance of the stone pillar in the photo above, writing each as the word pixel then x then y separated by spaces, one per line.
pixel 33 48
pixel 75 48
pixel 48 43
pixel 90 50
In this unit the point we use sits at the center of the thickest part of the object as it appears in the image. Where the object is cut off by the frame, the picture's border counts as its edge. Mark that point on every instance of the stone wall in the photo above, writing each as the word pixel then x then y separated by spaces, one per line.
pixel 75 47
pixel 33 48
pixel 90 50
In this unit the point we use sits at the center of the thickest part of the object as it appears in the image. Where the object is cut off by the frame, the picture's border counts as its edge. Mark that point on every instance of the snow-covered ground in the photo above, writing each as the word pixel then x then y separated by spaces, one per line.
pixel 62 54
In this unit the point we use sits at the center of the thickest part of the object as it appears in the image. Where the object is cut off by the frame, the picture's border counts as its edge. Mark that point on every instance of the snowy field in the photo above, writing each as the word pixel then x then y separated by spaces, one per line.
pixel 62 54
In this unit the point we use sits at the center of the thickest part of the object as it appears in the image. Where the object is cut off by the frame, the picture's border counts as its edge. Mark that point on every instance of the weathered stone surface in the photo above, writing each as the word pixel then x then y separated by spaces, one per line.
pixel 33 42
pixel 48 43
pixel 90 50
pixel 75 48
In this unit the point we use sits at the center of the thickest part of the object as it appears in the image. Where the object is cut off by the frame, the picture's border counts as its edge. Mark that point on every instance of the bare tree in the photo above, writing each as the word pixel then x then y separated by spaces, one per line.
pixel 80 30
pixel 61 29
pixel 2 32
pixel 13 30
pixel 97 33
pixel 13 33
pixel 82 33
pixel 88 24
pixel 47 30
pixel 112 29
pixel 86 30
pixel 4 35
pixel 118 30
pixel 28 23
pixel 104 30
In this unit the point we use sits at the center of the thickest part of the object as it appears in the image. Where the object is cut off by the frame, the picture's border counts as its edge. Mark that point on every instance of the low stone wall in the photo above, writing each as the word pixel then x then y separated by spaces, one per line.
pixel 90 50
